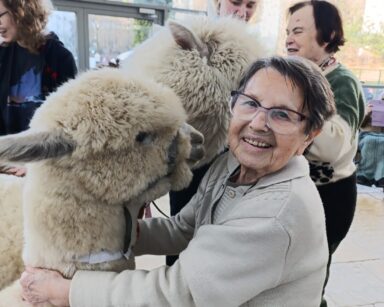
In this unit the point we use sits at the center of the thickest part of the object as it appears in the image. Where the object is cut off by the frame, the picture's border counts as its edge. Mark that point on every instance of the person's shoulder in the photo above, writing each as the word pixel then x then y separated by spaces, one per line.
pixel 303 202
pixel 342 75
pixel 54 45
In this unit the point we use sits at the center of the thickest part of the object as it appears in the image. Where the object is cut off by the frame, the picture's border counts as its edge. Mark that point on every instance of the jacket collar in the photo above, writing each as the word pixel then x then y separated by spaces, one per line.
pixel 296 167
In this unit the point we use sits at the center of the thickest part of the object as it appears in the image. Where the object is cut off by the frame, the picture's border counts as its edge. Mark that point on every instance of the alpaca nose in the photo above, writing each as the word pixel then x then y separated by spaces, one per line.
pixel 197 144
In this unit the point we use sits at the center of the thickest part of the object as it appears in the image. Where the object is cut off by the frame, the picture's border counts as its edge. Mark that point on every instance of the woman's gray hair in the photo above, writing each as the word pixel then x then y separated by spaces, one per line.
pixel 302 73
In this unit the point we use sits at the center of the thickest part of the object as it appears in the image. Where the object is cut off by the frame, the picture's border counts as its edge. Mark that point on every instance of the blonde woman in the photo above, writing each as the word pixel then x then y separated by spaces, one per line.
pixel 242 9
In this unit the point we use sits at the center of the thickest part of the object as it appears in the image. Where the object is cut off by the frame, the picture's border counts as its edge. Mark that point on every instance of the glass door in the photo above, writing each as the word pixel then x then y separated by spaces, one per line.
pixel 64 24
pixel 97 32
pixel 112 37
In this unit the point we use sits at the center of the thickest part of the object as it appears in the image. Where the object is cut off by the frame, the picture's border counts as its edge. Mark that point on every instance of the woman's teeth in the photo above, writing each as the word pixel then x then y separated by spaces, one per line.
pixel 257 143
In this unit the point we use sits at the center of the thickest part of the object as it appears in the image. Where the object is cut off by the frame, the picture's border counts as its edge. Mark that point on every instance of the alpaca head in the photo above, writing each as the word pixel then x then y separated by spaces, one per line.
pixel 112 135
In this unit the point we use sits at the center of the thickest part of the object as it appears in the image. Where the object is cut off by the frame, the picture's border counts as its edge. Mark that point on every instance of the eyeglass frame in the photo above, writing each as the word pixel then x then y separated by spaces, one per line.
pixel 236 94
pixel 4 13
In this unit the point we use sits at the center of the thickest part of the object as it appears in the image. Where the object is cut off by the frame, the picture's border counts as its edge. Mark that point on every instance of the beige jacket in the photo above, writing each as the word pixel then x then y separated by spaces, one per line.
pixel 268 249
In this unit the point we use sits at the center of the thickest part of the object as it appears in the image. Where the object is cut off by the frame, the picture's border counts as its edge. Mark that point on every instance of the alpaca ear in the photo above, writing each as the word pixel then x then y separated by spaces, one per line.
pixel 187 40
pixel 35 146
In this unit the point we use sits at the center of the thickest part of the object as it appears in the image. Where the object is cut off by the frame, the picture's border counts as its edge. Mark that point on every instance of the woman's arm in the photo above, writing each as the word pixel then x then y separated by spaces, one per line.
pixel 224 265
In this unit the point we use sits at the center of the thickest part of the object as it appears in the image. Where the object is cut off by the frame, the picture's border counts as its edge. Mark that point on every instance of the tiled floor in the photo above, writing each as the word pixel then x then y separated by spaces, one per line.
pixel 357 271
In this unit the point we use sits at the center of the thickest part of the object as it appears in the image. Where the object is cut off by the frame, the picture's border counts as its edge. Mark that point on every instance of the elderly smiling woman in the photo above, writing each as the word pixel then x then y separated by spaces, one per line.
pixel 254 233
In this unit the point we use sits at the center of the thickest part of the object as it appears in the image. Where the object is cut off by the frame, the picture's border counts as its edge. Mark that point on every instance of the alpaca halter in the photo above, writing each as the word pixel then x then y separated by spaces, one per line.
pixel 103 256
pixel 107 256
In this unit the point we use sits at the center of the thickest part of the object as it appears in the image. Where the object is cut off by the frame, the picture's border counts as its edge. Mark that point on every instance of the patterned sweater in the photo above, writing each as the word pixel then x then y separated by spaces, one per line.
pixel 333 150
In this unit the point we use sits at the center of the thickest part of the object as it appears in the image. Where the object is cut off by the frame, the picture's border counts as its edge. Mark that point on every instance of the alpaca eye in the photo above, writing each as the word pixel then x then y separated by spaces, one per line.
pixel 145 138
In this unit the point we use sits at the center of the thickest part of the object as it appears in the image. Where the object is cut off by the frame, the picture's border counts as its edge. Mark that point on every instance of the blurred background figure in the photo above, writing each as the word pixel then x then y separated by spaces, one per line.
pixel 315 32
pixel 242 9
pixel 33 64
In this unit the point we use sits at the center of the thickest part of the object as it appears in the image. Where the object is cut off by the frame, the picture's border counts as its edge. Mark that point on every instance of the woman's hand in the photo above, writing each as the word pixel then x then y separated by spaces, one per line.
pixel 40 285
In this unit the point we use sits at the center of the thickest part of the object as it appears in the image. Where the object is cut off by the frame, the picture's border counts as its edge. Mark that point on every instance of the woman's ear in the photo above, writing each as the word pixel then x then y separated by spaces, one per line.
pixel 307 141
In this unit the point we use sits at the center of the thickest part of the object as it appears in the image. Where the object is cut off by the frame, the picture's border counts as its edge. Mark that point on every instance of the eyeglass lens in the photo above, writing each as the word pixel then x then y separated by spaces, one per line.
pixel 279 120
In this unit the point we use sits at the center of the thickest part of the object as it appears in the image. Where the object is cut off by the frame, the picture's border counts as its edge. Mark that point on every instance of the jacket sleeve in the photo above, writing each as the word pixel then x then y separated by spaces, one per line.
pixel 160 236
pixel 334 141
pixel 224 265
pixel 349 99
pixel 164 287
pixel 66 66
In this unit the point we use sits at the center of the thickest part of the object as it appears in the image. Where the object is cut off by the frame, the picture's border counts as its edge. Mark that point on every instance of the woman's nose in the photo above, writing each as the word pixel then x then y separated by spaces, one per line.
pixel 241 12
pixel 288 40
pixel 259 120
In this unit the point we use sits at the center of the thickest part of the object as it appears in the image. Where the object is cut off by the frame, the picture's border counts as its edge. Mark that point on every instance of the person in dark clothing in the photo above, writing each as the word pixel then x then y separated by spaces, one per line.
pixel 32 64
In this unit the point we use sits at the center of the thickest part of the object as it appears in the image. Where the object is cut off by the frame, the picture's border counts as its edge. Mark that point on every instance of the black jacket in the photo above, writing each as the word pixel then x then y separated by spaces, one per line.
pixel 59 66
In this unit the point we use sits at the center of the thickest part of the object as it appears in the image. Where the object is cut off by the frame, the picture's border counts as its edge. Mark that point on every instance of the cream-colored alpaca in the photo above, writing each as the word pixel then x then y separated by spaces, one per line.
pixel 202 61
pixel 102 142
pixel 11 229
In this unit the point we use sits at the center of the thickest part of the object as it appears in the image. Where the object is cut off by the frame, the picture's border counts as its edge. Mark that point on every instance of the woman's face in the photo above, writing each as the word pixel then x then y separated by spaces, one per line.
pixel 8 29
pixel 243 9
pixel 301 36
pixel 258 149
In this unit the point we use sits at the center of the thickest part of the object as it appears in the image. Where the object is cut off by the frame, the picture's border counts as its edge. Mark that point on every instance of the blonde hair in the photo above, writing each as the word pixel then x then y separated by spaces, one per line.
pixel 30 17
pixel 214 5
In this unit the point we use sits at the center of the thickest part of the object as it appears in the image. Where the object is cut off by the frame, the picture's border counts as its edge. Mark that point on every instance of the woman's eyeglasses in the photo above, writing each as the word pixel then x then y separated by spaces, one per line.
pixel 3 13
pixel 279 120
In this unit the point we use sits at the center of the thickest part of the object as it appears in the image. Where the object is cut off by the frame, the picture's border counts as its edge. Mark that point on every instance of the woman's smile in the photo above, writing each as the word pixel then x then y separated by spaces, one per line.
pixel 255 142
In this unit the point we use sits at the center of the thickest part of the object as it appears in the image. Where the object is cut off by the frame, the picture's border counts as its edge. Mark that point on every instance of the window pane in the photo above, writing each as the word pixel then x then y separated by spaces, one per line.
pixel 110 36
pixel 364 30
pixel 181 15
pixel 65 26
pixel 153 2
pixel 199 5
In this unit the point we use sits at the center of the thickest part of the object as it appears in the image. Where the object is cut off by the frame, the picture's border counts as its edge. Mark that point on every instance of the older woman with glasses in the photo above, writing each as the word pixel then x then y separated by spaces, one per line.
pixel 254 233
